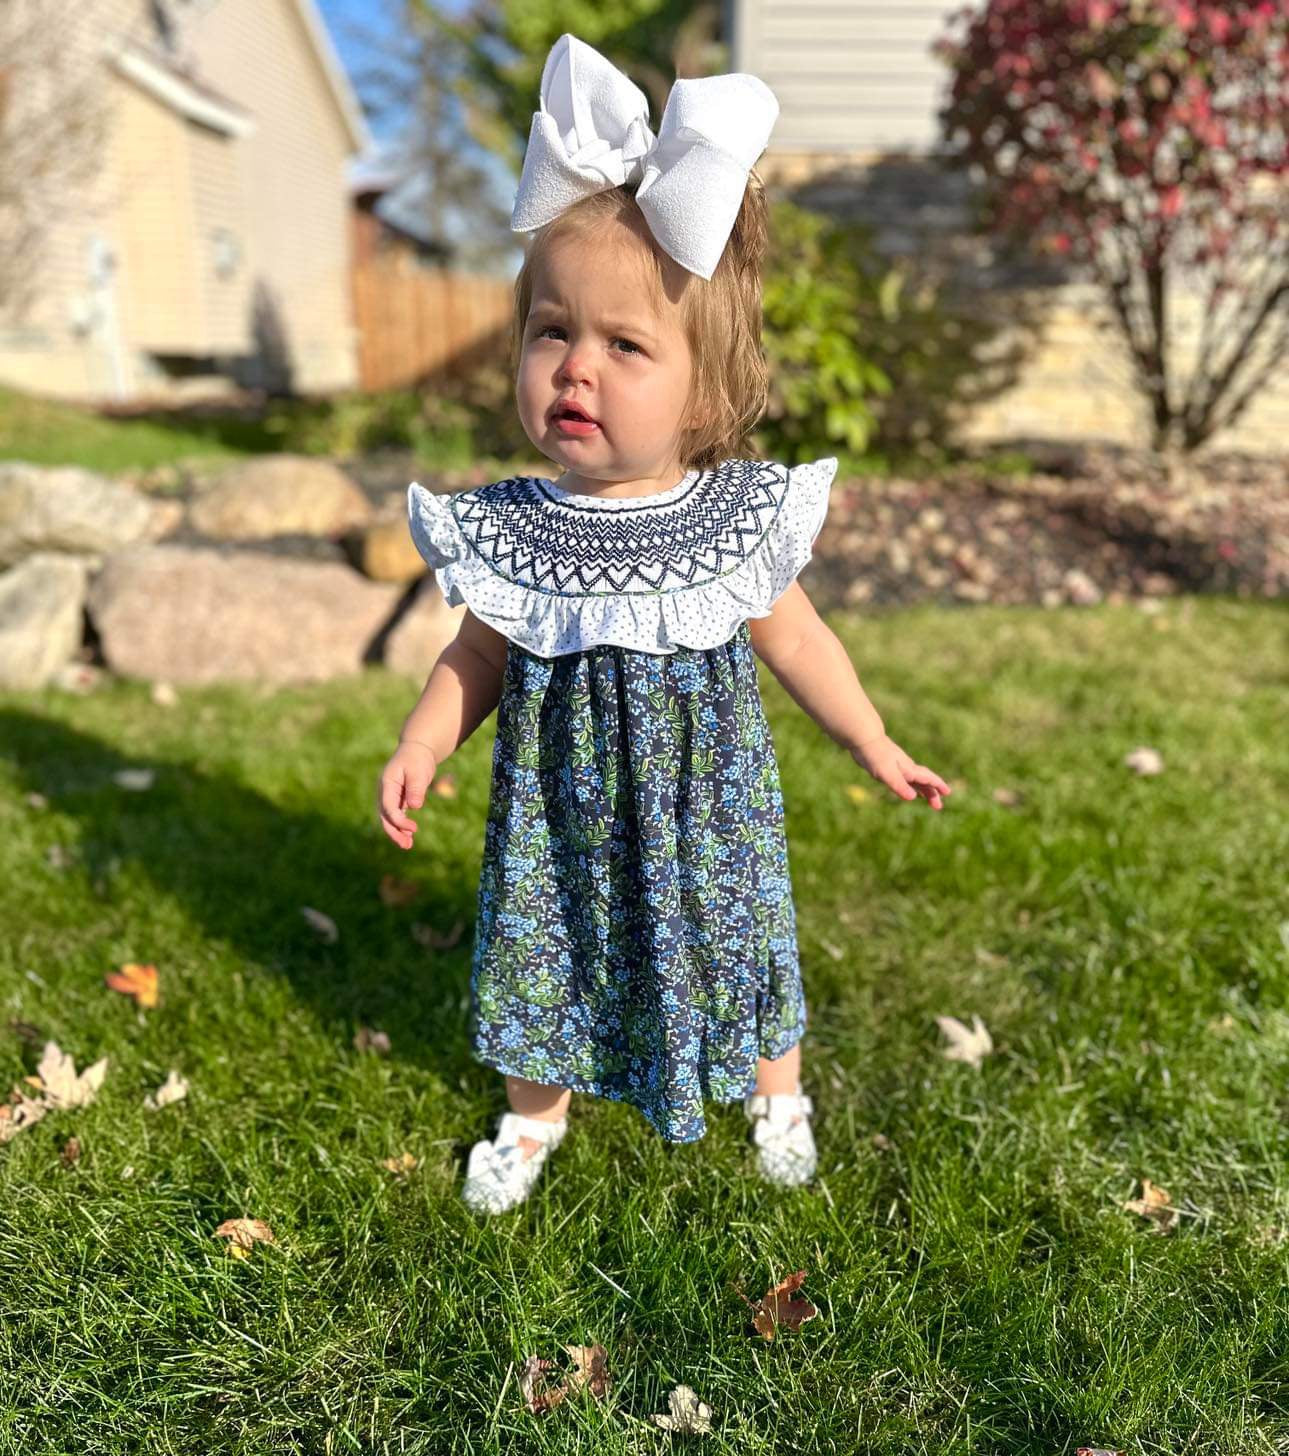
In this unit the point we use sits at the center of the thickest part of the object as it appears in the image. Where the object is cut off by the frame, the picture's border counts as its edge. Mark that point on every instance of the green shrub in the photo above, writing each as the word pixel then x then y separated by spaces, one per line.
pixel 866 356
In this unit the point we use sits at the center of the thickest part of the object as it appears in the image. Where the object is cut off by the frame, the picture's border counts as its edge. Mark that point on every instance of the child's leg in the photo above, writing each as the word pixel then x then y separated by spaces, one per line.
pixel 780 1075
pixel 535 1099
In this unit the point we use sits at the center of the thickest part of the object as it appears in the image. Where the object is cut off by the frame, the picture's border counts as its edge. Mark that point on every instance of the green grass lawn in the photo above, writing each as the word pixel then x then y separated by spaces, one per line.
pixel 980 1287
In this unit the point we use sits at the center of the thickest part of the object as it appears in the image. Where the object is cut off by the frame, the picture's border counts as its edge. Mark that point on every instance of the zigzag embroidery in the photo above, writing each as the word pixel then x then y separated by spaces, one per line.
pixel 535 540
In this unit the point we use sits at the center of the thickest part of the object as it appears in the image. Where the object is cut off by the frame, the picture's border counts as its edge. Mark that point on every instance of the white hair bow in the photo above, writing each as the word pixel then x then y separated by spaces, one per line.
pixel 592 133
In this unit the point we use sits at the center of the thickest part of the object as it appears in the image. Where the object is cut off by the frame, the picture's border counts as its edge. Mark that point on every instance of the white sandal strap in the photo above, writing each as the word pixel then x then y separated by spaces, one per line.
pixel 512 1127
pixel 775 1105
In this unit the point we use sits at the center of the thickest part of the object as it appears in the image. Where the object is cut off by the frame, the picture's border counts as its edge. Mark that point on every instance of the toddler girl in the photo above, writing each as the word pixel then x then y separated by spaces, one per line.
pixel 636 936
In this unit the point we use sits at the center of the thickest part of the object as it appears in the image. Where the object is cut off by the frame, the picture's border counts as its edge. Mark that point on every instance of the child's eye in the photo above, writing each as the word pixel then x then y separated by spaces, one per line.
pixel 627 346
pixel 548 328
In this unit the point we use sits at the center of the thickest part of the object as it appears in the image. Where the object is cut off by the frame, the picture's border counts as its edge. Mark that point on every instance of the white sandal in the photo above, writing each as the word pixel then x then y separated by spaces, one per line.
pixel 781 1131
pixel 498 1175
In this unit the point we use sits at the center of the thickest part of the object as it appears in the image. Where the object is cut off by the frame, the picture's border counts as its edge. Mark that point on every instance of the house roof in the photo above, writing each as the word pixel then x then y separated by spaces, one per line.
pixel 177 87
pixel 333 69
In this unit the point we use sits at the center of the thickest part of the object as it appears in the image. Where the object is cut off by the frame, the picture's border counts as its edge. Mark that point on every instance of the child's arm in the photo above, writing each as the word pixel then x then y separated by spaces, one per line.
pixel 462 689
pixel 464 686
pixel 809 660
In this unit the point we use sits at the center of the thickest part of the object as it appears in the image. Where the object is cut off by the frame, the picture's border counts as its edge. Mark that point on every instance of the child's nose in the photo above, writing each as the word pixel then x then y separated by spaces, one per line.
pixel 575 368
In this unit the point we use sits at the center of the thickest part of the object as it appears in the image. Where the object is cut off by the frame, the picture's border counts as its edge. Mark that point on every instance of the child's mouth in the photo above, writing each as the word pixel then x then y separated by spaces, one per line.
pixel 570 419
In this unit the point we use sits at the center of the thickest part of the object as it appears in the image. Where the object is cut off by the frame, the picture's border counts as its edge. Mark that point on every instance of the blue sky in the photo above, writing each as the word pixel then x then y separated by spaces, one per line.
pixel 356 27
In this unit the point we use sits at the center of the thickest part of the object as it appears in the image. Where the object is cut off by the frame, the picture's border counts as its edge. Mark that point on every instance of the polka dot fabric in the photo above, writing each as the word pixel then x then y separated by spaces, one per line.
pixel 558 572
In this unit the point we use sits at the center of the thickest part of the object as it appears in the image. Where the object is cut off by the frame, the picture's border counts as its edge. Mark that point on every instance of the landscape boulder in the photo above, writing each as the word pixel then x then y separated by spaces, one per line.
pixel 196 615
pixel 279 495
pixel 64 508
pixel 41 617
pixel 423 631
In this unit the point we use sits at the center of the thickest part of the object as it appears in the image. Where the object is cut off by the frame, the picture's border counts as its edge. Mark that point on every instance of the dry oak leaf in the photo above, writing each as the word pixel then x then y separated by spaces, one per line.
pixel 71 1154
pixel 243 1234
pixel 23 1113
pixel 404 1163
pixel 134 778
pixel 535 1385
pixel 173 1089
pixel 323 924
pixel 966 1044
pixel 1154 1204
pixel 591 1373
pixel 689 1415
pixel 368 1040
pixel 396 892
pixel 141 982
pixel 60 1084
pixel 778 1306
pixel 426 935
pixel 1144 761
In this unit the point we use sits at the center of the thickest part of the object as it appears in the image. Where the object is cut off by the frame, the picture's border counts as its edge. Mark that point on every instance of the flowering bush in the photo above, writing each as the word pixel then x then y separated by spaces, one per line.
pixel 1146 138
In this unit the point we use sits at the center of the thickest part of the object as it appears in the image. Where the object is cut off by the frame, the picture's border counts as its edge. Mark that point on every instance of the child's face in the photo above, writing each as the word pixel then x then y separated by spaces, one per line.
pixel 592 339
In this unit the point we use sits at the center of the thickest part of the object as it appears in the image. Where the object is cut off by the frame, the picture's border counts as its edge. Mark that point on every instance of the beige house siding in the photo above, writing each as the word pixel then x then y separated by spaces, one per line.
pixel 297 201
pixel 60 342
pixel 857 82
pixel 852 76
pixel 223 242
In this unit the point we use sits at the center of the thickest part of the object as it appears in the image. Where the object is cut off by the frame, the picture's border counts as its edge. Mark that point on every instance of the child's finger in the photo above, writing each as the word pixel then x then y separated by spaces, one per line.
pixel 391 804
pixel 414 791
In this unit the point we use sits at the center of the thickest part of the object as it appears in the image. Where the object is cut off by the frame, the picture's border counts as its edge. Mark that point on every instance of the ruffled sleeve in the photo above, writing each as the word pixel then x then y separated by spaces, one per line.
pixel 435 532
pixel 797 525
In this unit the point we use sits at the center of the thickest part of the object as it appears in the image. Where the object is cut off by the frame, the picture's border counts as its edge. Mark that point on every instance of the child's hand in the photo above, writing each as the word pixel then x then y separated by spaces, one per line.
pixel 403 784
pixel 890 765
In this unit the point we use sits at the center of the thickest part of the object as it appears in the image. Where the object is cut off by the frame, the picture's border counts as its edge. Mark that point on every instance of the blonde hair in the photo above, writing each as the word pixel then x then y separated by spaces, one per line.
pixel 721 316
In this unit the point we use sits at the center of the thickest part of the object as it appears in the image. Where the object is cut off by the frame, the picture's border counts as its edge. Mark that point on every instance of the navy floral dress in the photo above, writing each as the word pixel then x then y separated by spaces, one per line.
pixel 636 935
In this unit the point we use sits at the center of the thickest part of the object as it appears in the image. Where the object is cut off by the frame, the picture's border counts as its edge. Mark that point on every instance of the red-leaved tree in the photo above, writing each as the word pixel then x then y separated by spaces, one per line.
pixel 1146 138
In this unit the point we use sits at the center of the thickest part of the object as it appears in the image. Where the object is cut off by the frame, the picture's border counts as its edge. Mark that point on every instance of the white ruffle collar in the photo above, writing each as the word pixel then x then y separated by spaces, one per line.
pixel 560 572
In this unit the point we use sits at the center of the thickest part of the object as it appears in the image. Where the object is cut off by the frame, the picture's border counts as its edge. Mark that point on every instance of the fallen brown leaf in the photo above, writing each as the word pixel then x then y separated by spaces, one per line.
pixel 881 1142
pixel 17 1117
pixel 591 1372
pixel 401 1165
pixel 535 1383
pixel 1154 1204
pixel 60 1084
pixel 137 779
pixel 445 786
pixel 323 924
pixel 969 1045
pixel 173 1089
pixel 244 1233
pixel 689 1415
pixel 777 1306
pixel 1144 761
pixel 426 935
pixel 71 1154
pixel 367 1040
pixel 398 892
pixel 141 982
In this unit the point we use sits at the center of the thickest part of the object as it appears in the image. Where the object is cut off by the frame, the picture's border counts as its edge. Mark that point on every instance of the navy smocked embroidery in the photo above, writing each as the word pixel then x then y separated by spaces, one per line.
pixel 552 544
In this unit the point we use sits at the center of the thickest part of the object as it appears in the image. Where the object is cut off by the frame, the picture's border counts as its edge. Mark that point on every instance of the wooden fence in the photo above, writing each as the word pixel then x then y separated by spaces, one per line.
pixel 419 323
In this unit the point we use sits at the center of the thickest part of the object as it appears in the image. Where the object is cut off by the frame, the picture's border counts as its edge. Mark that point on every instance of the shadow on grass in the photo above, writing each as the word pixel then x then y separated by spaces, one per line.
pixel 240 867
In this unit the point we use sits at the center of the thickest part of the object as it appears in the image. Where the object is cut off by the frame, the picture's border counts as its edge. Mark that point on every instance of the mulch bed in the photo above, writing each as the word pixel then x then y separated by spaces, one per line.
pixel 1092 525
